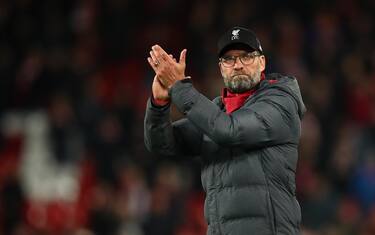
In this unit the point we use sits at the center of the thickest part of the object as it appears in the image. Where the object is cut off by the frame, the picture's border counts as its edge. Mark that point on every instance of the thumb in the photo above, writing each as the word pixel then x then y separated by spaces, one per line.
pixel 183 57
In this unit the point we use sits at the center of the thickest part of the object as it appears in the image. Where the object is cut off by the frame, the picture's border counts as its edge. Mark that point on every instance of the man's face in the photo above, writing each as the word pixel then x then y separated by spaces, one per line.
pixel 241 70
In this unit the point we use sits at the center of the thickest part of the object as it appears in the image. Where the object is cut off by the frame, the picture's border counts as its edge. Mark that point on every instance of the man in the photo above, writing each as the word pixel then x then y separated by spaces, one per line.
pixel 247 138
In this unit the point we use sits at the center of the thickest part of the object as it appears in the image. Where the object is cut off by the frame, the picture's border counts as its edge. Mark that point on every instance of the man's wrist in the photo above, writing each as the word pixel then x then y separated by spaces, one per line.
pixel 178 80
pixel 159 102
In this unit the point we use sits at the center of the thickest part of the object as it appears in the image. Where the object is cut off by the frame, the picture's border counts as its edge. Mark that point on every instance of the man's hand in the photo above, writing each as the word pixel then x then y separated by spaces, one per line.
pixel 167 69
pixel 159 92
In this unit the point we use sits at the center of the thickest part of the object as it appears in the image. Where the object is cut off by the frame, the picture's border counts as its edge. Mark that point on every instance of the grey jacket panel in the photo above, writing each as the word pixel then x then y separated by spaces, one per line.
pixel 249 156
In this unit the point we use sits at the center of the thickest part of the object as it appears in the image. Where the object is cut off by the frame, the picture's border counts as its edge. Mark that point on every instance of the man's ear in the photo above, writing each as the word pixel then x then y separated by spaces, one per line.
pixel 262 63
pixel 219 64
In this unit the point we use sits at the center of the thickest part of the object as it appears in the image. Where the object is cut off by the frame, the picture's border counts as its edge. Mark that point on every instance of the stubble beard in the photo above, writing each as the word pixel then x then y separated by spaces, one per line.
pixel 240 83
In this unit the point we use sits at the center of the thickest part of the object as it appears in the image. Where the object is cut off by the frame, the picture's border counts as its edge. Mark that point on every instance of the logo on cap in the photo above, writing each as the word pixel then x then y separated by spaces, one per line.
pixel 235 34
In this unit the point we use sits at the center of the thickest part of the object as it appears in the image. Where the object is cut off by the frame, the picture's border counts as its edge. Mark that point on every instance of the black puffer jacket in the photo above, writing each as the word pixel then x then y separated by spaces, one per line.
pixel 249 156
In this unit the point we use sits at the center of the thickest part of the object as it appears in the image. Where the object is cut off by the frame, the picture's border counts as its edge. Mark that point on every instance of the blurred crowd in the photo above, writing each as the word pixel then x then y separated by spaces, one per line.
pixel 73 88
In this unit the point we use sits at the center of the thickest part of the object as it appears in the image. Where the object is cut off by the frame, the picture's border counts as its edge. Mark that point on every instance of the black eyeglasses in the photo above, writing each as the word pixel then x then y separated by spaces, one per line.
pixel 246 59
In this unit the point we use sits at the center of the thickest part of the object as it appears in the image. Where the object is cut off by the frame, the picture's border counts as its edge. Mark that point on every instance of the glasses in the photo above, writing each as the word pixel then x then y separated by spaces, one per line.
pixel 246 59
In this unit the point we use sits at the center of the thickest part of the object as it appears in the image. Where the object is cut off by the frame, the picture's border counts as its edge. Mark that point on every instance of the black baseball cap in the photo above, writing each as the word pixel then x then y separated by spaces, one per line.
pixel 238 38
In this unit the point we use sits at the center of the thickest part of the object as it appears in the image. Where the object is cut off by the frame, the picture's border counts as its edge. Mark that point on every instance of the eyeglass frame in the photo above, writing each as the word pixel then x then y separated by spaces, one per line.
pixel 253 55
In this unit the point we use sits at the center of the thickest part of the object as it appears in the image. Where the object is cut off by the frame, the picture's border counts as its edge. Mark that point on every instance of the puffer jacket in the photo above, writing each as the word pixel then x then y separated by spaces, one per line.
pixel 249 156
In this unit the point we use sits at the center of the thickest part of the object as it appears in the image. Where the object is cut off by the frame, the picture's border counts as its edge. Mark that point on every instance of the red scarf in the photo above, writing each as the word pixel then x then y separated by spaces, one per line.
pixel 234 101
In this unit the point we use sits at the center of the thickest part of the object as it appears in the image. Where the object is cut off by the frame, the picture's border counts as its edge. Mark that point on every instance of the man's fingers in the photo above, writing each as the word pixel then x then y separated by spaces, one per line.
pixel 174 59
pixel 160 53
pixel 183 57
pixel 153 56
pixel 158 50
pixel 152 63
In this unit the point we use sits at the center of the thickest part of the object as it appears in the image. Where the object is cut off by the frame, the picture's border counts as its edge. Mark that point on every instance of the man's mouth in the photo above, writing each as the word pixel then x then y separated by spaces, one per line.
pixel 238 75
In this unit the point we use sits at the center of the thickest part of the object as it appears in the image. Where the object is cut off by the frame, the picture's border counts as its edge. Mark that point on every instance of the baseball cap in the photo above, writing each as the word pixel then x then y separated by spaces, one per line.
pixel 238 38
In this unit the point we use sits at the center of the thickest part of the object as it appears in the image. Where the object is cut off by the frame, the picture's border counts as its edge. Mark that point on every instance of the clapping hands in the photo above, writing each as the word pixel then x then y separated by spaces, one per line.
pixel 168 71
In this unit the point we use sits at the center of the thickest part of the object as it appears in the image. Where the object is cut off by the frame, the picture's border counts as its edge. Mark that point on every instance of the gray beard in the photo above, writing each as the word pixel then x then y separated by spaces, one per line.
pixel 242 83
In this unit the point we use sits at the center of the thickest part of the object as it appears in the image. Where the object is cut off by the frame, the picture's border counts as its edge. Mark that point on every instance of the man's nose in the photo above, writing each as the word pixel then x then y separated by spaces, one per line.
pixel 238 64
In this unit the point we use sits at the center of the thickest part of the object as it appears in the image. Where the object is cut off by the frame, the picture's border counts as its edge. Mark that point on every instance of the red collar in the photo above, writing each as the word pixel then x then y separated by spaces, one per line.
pixel 234 101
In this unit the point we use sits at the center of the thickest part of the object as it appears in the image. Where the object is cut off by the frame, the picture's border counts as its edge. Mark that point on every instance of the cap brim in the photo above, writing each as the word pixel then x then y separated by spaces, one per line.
pixel 236 46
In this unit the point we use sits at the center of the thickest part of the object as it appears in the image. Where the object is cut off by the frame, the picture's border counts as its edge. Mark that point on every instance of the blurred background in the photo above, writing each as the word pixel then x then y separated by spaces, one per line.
pixel 74 81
